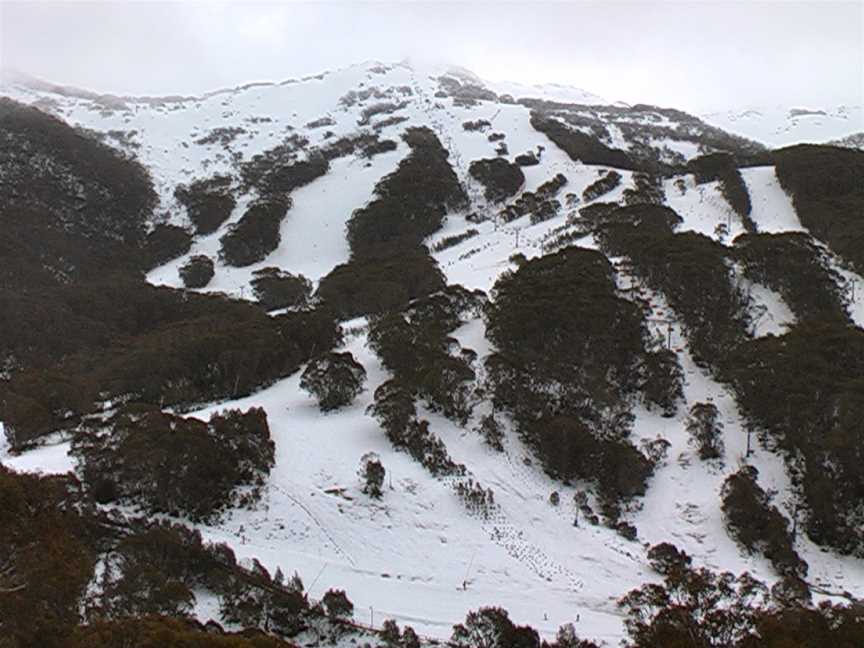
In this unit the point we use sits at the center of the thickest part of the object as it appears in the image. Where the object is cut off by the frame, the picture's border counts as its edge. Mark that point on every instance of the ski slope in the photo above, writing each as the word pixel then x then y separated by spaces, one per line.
pixel 417 555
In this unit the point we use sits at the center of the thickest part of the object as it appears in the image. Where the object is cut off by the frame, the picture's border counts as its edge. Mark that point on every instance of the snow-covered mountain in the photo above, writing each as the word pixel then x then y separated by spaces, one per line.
pixel 778 126
pixel 416 555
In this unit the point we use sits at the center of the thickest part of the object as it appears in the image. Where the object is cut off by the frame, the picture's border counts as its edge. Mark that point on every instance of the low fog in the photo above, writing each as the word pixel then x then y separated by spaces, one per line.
pixel 698 56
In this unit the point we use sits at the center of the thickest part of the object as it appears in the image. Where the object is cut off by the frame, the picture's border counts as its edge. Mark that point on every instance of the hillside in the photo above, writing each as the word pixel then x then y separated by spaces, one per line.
pixel 573 326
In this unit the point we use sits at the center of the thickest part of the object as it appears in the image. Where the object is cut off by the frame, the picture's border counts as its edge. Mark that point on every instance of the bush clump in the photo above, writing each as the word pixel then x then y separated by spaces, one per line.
pixel 500 178
pixel 794 266
pixel 256 234
pixel 706 430
pixel 722 167
pixel 388 265
pixel 208 203
pixel 197 271
pixel 580 146
pixel 757 524
pixel 168 464
pixel 602 185
pixel 826 188
pixel 566 373
pixel 275 288
pixel 164 243
pixel 335 379
pixel 803 390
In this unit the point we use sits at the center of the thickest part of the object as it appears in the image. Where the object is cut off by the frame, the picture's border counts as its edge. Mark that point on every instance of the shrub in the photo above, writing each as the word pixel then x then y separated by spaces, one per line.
pixel 803 389
pixel 491 627
pixel 208 203
pixel 455 239
pixel 663 383
pixel 160 347
pixel 168 464
pixel 579 146
pixel 791 264
pixel 691 270
pixel 490 429
pixel 648 190
pixel 379 284
pixel 477 125
pixel 337 604
pixel 71 208
pixel 757 525
pixel 666 559
pixel 825 185
pixel 383 108
pixel 256 234
pixel 335 379
pixel 500 178
pixel 277 171
pixel 566 376
pixel 706 430
pixel 372 474
pixel 164 243
pixel 694 608
pixel 277 289
pixel 603 185
pixel 527 159
pixel 722 167
pixel 197 272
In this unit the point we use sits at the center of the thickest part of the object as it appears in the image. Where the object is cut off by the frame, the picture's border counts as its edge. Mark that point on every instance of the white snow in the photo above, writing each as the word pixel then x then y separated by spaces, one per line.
pixel 408 556
pixel 778 126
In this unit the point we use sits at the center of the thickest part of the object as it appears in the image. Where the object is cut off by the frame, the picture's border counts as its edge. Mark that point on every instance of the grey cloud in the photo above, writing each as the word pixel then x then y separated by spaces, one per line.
pixel 696 56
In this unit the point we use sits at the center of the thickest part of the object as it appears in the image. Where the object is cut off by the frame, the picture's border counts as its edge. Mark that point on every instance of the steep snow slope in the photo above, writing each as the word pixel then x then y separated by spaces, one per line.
pixel 779 126
pixel 418 555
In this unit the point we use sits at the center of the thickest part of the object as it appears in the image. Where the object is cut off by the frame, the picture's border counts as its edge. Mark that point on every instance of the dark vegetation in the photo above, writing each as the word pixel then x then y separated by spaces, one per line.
pixel 603 185
pixel 256 234
pixel 476 125
pixel 50 537
pixel 378 284
pixel 197 271
pixel 383 108
pixel 804 391
pixel 706 430
pixel 79 328
pixel 540 204
pixel 70 208
pixel 580 146
pixel 208 203
pixel 275 288
pixel 335 379
pixel 135 342
pixel 426 364
pixel 500 178
pixel 455 239
pixel 801 390
pixel 827 187
pixel 757 524
pixel 416 348
pixel 723 167
pixel 690 269
pixel 648 188
pixel 527 159
pixel 567 378
pixel 699 607
pixel 641 127
pixel 388 265
pixel 164 243
pixel 792 265
pixel 167 464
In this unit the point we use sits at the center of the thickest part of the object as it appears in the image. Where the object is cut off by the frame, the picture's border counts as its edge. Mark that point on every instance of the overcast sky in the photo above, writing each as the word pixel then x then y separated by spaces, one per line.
pixel 698 56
